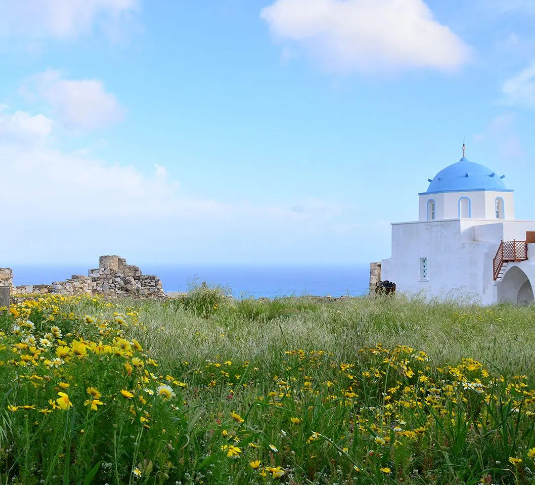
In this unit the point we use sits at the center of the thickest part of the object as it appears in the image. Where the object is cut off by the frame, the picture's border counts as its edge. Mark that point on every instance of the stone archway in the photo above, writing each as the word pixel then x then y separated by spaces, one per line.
pixel 515 287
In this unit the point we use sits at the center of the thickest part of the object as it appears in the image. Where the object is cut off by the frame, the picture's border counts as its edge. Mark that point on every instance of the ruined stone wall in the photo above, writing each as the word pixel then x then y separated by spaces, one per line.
pixel 113 277
pixel 375 275
pixel 6 277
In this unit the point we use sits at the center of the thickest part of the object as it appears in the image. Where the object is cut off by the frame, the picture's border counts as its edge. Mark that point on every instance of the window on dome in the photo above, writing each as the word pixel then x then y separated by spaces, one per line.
pixel 498 204
pixel 465 208
pixel 430 210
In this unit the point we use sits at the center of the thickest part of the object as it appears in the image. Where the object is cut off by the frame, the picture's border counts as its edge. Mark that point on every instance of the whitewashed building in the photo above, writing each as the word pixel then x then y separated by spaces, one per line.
pixel 466 242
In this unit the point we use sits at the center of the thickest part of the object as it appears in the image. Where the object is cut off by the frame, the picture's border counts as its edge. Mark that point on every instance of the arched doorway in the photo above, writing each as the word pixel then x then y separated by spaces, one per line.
pixel 515 287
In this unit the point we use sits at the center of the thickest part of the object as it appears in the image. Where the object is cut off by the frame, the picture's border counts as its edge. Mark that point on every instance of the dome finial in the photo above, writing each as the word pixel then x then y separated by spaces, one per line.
pixel 464 147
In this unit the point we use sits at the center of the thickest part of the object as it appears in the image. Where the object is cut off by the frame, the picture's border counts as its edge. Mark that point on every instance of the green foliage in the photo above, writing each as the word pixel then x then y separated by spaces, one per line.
pixel 294 390
pixel 203 300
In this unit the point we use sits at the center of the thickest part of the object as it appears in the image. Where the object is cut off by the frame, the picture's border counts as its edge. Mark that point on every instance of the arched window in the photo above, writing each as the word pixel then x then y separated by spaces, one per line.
pixel 465 208
pixel 498 204
pixel 431 214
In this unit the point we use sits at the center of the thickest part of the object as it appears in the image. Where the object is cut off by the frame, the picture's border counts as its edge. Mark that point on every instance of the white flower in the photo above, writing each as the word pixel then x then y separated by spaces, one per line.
pixel 165 392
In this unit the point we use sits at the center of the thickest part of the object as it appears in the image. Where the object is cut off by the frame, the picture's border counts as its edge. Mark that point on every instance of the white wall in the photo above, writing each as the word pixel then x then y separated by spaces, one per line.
pixel 457 263
pixel 482 204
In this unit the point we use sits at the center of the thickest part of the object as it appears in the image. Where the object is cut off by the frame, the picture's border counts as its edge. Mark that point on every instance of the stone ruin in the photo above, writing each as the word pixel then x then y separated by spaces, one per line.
pixel 113 277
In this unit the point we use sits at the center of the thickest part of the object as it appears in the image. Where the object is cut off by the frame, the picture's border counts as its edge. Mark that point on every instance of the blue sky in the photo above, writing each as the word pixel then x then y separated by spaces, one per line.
pixel 248 131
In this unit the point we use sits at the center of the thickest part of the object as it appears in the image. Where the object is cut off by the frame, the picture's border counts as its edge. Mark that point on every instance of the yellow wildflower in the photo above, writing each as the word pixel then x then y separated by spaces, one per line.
pixel 93 392
pixel 233 451
pixel 127 394
pixel 79 348
pixel 63 401
pixel 276 472
pixel 255 464
pixel 94 403
pixel 236 417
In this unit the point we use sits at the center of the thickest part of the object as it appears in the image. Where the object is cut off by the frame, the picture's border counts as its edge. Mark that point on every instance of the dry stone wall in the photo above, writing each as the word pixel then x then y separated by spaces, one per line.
pixel 113 277
pixel 375 275
pixel 6 277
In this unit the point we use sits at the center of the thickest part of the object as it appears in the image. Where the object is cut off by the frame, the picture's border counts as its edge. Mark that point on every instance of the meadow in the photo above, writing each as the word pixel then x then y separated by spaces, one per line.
pixel 203 389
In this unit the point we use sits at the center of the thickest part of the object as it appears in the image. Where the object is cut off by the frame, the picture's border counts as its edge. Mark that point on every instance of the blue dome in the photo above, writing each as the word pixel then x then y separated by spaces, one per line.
pixel 466 176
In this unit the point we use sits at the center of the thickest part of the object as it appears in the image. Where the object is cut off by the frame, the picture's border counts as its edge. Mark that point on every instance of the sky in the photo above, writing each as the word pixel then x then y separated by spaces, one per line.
pixel 250 131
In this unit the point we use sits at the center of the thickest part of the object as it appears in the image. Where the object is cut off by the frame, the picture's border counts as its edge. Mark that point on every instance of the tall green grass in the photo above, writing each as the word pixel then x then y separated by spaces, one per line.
pixel 295 390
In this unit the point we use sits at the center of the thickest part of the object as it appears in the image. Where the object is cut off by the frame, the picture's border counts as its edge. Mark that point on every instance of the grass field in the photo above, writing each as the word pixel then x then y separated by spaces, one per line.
pixel 206 390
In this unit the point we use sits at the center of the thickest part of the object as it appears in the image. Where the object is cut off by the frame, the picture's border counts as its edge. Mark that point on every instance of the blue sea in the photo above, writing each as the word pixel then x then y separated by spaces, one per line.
pixel 242 281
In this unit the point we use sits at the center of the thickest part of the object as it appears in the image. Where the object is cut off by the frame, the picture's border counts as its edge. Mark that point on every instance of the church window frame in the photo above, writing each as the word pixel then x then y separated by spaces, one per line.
pixel 461 216
pixel 499 208
pixel 431 210
pixel 424 269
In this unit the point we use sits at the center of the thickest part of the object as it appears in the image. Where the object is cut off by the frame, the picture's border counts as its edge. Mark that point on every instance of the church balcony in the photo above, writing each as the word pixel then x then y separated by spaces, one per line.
pixel 509 252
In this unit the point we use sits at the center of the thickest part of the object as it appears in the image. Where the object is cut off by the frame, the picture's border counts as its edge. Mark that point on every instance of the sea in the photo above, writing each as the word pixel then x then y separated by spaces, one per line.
pixel 242 281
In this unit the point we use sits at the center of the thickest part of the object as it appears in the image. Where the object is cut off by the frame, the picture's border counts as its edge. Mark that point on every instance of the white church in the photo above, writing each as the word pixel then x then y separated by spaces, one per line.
pixel 466 242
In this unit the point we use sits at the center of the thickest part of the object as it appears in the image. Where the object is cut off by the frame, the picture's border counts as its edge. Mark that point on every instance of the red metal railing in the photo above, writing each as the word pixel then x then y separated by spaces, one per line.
pixel 509 251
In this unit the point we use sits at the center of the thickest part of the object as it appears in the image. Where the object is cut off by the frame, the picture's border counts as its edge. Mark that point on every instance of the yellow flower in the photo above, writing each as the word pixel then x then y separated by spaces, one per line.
pixel 295 420
pixel 93 392
pixel 12 408
pixel 386 470
pixel 233 451
pixel 515 461
pixel 276 472
pixel 273 448
pixel 255 464
pixel 62 352
pixel 137 472
pixel 531 453
pixel 236 417
pixel 63 385
pixel 79 348
pixel 94 403
pixel 63 401
pixel 137 362
pixel 127 394
pixel 123 344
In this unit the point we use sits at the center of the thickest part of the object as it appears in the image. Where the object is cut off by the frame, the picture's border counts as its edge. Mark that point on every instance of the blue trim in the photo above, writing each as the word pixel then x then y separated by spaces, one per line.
pixel 469 208
pixel 503 207
pixel 434 207
pixel 468 190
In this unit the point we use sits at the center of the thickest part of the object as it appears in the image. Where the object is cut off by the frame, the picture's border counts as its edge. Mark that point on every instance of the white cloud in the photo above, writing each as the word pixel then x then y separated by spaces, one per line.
pixel 520 90
pixel 76 207
pixel 77 104
pixel 367 35
pixel 22 127
pixel 61 18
